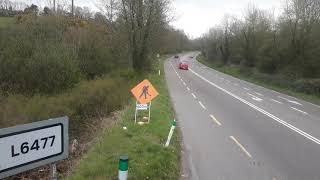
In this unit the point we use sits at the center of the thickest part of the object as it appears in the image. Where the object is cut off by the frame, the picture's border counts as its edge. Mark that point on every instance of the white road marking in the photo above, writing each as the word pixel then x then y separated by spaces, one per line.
pixel 258 93
pixel 299 110
pixel 202 105
pixel 184 84
pixel 246 89
pixel 276 101
pixel 288 125
pixel 293 102
pixel 255 97
pixel 194 96
pixel 283 98
pixel 241 146
pixel 317 106
pixel 215 120
pixel 188 88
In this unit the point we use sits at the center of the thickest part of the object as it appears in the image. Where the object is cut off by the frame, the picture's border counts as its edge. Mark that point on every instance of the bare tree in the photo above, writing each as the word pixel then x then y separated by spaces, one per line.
pixel 142 17
pixel 301 16
pixel 225 41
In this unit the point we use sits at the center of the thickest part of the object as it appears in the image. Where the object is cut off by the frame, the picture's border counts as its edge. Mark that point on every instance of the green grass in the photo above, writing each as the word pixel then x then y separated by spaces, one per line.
pixel 6 21
pixel 144 144
pixel 236 72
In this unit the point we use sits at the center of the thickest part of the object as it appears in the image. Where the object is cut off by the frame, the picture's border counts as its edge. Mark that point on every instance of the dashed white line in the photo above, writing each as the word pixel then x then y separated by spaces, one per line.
pixel 184 84
pixel 241 146
pixel 293 102
pixel 288 125
pixel 276 101
pixel 188 89
pixel 215 120
pixel 255 97
pixel 194 96
pixel 202 105
pixel 258 93
pixel 246 89
pixel 298 110
pixel 284 98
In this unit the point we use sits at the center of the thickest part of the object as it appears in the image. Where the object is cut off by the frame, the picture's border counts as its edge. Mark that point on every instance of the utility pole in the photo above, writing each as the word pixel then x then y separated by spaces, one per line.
pixel 72 7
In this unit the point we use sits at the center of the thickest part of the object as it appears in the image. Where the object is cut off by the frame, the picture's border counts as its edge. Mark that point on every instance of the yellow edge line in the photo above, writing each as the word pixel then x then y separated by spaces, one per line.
pixel 241 147
pixel 215 120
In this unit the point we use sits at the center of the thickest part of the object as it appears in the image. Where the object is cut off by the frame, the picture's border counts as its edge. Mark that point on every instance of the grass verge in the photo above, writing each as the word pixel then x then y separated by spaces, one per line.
pixel 6 21
pixel 144 144
pixel 236 72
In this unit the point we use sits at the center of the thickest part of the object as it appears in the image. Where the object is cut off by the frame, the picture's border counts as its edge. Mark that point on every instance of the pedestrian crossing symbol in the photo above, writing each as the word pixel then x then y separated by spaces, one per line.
pixel 144 92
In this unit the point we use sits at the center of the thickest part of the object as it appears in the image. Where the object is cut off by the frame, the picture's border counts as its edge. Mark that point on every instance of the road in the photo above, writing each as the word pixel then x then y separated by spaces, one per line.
pixel 232 129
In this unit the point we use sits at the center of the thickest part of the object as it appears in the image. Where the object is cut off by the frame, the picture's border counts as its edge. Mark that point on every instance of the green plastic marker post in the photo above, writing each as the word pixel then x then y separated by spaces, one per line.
pixel 123 167
pixel 174 124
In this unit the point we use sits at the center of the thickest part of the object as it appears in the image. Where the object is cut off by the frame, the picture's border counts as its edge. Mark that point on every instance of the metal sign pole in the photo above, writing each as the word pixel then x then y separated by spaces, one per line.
pixel 149 112
pixel 53 171
pixel 135 114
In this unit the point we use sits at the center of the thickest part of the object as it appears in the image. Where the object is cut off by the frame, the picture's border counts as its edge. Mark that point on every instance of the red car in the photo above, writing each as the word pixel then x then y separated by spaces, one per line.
pixel 183 66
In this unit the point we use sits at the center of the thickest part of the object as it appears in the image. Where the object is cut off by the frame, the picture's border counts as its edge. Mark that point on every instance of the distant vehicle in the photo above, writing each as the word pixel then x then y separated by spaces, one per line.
pixel 176 56
pixel 183 66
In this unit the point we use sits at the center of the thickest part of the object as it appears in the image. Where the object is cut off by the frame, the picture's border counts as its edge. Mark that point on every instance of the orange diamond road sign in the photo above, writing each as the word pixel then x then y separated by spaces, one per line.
pixel 144 92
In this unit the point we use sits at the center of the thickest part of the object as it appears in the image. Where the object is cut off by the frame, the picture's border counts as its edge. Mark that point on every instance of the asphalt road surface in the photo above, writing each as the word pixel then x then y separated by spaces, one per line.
pixel 233 129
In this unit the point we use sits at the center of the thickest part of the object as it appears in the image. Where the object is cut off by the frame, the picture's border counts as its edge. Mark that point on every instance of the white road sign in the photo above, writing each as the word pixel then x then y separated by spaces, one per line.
pixel 142 107
pixel 32 145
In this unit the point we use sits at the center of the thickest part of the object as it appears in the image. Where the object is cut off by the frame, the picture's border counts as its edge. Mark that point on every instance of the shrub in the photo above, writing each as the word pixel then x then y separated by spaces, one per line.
pixel 311 86
pixel 49 69
pixel 49 54
pixel 33 60
pixel 267 65
pixel 95 57
pixel 88 100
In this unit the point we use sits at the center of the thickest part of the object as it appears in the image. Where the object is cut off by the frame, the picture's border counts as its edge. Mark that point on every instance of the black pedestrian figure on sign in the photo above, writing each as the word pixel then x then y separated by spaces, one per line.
pixel 145 92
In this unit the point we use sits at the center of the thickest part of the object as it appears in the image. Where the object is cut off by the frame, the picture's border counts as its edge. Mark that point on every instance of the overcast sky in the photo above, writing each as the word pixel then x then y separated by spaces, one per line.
pixel 195 17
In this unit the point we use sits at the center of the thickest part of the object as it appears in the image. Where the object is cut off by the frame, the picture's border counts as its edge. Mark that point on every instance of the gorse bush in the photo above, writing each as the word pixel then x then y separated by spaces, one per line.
pixel 48 54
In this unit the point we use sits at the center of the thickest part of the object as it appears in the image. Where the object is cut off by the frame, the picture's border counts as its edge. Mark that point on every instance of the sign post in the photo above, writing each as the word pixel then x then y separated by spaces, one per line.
pixel 144 93
pixel 158 56
pixel 53 171
pixel 142 107
pixel 33 145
